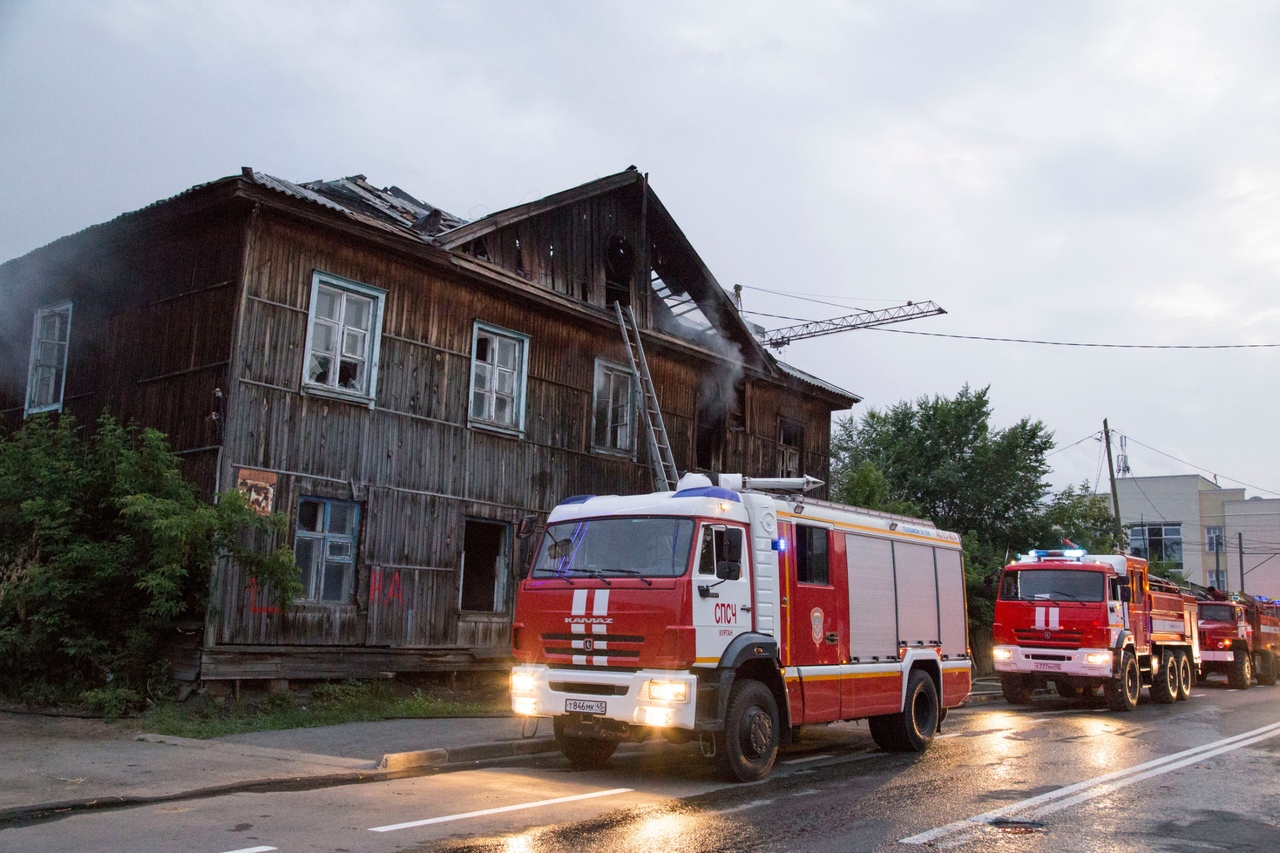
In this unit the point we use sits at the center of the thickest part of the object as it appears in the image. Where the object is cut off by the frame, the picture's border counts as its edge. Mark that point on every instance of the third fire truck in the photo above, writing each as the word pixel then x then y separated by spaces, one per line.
pixel 1084 621
pixel 732 614
pixel 1240 637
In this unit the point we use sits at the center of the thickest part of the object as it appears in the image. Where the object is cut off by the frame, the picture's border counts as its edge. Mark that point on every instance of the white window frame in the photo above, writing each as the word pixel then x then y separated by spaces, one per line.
pixel 1213 536
pixel 373 344
pixel 604 376
pixel 54 405
pixel 329 558
pixel 520 377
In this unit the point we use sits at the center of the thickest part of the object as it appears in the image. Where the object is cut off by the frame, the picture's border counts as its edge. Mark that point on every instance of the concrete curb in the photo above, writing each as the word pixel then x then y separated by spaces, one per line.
pixel 466 754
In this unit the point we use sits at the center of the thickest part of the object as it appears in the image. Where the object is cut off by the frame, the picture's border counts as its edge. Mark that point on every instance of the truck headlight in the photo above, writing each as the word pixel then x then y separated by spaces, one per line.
pixel 1098 658
pixel 657 716
pixel 1002 654
pixel 526 706
pixel 523 683
pixel 668 691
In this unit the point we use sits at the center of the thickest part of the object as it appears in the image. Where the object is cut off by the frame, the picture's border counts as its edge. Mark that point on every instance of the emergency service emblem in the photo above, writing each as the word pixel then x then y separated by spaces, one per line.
pixel 815 622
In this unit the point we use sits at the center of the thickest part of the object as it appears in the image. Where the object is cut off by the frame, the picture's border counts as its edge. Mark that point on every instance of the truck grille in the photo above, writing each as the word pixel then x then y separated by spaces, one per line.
pixel 617 649
pixel 590 689
pixel 1061 639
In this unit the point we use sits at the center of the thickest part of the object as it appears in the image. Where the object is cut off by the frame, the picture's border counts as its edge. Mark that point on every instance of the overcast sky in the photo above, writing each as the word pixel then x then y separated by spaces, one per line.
pixel 1075 172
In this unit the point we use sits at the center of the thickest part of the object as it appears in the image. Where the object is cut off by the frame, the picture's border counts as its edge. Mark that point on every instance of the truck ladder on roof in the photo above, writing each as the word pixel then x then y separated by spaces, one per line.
pixel 665 475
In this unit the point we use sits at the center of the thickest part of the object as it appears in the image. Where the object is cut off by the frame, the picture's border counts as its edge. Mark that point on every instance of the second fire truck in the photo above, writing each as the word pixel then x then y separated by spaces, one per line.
pixel 1084 621
pixel 1240 637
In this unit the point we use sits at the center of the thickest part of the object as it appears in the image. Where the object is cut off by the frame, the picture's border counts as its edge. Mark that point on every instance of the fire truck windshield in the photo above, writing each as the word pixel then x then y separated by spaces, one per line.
pixel 1052 585
pixel 656 547
pixel 1217 613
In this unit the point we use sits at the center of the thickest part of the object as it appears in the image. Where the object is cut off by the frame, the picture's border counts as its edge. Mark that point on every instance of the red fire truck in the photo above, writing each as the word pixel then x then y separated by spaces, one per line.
pixel 1241 638
pixel 734 614
pixel 1087 620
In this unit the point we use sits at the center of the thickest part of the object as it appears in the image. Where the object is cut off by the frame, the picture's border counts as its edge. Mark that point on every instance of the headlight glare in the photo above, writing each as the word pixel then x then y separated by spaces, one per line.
pixel 1002 654
pixel 523 683
pixel 669 691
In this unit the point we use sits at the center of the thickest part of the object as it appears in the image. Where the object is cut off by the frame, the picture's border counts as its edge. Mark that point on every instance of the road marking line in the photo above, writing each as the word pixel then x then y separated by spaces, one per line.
pixel 252 850
pixel 519 806
pixel 803 760
pixel 1099 785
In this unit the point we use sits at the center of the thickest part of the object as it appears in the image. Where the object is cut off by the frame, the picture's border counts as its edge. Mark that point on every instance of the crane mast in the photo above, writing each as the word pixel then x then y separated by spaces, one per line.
pixel 779 338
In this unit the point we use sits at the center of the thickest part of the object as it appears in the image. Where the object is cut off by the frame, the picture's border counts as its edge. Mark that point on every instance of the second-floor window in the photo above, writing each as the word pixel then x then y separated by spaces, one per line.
pixel 47 373
pixel 1213 539
pixel 614 409
pixel 498 371
pixel 343 338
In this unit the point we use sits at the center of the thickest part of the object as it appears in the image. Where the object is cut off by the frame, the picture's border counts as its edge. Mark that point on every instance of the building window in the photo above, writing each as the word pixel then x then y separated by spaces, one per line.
pixel 1157 543
pixel 790 442
pixel 811 555
pixel 325 547
pixel 344 331
pixel 484 567
pixel 498 373
pixel 614 408
pixel 47 373
pixel 1213 540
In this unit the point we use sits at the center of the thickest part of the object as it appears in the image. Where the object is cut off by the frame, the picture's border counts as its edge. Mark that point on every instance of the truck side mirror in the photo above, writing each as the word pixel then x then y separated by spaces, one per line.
pixel 1124 594
pixel 728 570
pixel 527 527
pixel 733 545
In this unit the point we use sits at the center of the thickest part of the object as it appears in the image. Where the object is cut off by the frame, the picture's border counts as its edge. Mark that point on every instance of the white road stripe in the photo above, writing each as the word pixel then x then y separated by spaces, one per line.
pixel 519 806
pixel 252 850
pixel 1098 786
pixel 803 760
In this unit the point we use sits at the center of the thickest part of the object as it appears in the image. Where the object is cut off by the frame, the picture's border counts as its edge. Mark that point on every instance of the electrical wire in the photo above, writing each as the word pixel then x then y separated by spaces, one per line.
pixel 1073 444
pixel 1198 467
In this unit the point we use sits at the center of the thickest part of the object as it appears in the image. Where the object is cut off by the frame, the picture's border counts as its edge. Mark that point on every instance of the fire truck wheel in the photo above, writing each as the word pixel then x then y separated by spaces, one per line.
pixel 1267 668
pixel 1185 676
pixel 914 728
pixel 1122 691
pixel 749 743
pixel 584 753
pixel 1241 675
pixel 1164 684
pixel 1016 688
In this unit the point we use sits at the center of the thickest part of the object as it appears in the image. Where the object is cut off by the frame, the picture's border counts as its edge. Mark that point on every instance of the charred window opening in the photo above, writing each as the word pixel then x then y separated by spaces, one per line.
pixel 478 249
pixel 619 265
pixel 521 269
pixel 811 555
pixel 709 441
pixel 790 444
pixel 614 409
pixel 484 566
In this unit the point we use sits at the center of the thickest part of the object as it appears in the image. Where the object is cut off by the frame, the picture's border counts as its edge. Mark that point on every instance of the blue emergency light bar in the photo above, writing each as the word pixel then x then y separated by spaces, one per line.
pixel 1040 552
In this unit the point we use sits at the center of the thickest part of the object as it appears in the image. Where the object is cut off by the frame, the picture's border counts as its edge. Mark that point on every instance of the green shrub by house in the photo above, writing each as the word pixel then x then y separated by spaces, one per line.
pixel 103 546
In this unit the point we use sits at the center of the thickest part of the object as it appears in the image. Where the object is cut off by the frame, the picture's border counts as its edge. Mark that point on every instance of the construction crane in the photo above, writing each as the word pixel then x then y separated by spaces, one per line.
pixel 779 338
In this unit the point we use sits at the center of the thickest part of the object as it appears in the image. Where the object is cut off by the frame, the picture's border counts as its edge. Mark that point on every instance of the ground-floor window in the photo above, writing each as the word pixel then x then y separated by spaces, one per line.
pixel 483 586
pixel 325 547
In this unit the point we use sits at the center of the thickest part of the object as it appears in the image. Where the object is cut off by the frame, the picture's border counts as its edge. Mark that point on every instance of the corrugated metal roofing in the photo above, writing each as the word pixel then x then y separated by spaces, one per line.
pixel 810 379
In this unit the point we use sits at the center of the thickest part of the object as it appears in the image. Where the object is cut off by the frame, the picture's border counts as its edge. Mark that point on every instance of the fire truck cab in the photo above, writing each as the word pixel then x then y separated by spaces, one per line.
pixel 1083 621
pixel 732 614
pixel 1241 638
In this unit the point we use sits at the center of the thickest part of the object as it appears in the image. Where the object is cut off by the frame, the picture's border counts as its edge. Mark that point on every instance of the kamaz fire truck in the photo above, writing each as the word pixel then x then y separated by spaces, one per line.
pixel 1240 637
pixel 1083 621
pixel 733 614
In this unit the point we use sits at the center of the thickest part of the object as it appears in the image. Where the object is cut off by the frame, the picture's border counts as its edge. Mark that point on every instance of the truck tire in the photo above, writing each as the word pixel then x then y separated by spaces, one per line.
pixel 1241 675
pixel 748 745
pixel 584 753
pixel 1186 677
pixel 914 728
pixel 1267 667
pixel 1016 688
pixel 1164 684
pixel 1122 691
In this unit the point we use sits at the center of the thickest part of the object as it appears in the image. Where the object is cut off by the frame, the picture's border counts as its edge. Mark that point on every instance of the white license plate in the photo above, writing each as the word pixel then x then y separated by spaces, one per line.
pixel 585 706
pixel 1055 667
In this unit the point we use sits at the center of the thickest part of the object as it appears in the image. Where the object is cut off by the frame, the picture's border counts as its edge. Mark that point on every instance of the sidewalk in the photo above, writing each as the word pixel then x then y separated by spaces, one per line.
pixel 61 763
pixel 50 764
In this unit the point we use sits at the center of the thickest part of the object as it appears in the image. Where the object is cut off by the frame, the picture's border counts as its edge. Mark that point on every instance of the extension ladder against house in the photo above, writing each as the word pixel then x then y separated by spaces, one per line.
pixel 665 475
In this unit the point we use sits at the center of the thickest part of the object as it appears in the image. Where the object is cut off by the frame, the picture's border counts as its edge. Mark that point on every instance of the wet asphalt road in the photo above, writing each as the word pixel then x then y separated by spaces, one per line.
pixel 1199 775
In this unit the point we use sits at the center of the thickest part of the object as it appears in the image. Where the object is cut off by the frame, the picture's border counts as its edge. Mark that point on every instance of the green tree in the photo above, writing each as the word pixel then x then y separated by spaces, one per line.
pixel 103 546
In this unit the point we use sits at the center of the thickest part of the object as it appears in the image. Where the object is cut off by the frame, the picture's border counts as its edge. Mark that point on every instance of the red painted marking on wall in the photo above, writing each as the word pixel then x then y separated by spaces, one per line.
pixel 378 595
pixel 254 606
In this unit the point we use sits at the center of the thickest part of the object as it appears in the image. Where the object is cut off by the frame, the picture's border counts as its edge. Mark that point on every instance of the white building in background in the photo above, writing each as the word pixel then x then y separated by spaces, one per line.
pixel 1211 534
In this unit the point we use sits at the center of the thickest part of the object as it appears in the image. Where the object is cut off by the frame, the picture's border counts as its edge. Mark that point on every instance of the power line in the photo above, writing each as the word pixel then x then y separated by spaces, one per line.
pixel 1073 444
pixel 1080 344
pixel 1199 468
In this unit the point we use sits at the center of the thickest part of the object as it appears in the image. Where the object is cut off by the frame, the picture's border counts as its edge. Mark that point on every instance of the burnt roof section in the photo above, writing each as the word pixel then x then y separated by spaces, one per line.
pixel 390 204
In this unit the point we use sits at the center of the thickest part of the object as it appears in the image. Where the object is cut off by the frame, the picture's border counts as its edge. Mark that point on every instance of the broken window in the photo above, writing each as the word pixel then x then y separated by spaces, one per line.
pixel 325 548
pixel 790 444
pixel 483 585
pixel 498 372
pixel 345 326
pixel 619 264
pixel 47 372
pixel 614 408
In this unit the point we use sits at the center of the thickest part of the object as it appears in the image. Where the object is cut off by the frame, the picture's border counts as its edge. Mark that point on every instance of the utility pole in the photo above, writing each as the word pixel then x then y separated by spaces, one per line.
pixel 1115 496
pixel 1240 545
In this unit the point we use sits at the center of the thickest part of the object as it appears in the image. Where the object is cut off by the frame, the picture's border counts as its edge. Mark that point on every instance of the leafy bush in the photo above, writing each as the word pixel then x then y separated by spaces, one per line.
pixel 103 546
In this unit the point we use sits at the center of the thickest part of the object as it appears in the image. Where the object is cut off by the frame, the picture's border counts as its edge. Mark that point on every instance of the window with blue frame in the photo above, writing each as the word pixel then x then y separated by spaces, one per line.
pixel 325 548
